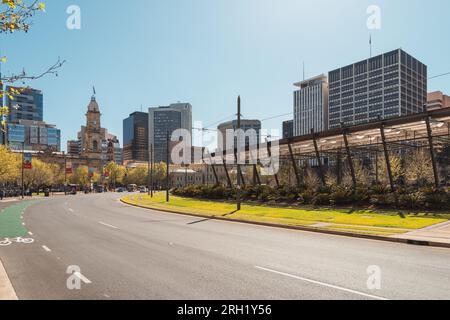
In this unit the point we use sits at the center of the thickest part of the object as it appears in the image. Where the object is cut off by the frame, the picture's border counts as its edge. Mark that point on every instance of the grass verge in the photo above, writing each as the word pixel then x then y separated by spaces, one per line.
pixel 373 222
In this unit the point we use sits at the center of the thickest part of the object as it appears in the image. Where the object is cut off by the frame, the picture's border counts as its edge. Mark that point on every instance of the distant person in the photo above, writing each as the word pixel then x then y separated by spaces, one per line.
pixel 2 194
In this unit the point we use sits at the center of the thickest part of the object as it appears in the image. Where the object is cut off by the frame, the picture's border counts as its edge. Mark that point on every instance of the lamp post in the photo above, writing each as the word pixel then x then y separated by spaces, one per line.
pixel 238 191
pixel 168 168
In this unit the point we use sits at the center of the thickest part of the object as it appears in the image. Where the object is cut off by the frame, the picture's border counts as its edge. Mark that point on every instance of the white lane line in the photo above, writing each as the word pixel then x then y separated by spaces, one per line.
pixel 71 210
pixel 46 248
pixel 30 233
pixel 321 283
pixel 82 278
pixel 108 225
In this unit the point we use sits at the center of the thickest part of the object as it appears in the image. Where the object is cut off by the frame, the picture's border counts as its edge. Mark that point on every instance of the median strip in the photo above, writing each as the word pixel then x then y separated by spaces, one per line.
pixel 362 223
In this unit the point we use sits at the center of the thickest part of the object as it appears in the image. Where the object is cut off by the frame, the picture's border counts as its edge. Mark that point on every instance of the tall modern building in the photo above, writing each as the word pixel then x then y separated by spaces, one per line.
pixel 135 137
pixel 28 105
pixel 25 126
pixel 167 119
pixel 33 136
pixel 389 85
pixel 311 106
pixel 232 125
pixel 288 129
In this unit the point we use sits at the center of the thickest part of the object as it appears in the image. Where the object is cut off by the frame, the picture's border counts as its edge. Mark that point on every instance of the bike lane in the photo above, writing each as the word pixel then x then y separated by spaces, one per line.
pixel 12 227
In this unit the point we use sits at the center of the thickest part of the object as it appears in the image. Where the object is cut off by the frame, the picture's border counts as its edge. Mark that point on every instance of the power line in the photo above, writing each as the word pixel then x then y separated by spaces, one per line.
pixel 440 75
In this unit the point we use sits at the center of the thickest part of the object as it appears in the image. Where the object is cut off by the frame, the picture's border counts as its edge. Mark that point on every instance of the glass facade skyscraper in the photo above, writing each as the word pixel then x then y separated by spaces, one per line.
pixel 389 85
pixel 167 119
pixel 135 137
pixel 28 105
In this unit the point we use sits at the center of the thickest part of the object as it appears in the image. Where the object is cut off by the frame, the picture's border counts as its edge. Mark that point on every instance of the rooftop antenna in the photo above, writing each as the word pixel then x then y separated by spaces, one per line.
pixel 93 93
pixel 304 71
pixel 370 45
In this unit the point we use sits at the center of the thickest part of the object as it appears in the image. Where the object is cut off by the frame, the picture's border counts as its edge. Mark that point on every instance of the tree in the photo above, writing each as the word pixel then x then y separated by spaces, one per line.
pixel 137 176
pixel 81 177
pixel 396 168
pixel 419 169
pixel 39 176
pixel 116 173
pixel 9 165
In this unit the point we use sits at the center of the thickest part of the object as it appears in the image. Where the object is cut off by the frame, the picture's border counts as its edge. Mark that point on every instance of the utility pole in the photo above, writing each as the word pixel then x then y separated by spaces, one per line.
pixel 148 174
pixel 151 170
pixel 238 191
pixel 168 168
pixel 65 173
pixel 23 161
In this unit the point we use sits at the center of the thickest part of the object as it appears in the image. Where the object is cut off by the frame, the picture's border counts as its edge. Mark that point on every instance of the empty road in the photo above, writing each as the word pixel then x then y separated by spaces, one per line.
pixel 95 247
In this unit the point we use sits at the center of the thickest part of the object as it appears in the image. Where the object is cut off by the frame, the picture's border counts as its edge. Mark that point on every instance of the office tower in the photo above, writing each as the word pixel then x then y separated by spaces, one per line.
pixel 28 105
pixel 135 137
pixel 33 136
pixel 311 106
pixel 246 125
pixel 167 119
pixel 390 85
pixel 288 129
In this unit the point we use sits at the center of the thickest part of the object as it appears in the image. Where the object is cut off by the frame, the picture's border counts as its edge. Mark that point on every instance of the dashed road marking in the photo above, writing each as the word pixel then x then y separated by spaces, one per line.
pixel 321 283
pixel 30 233
pixel 46 248
pixel 108 225
pixel 71 210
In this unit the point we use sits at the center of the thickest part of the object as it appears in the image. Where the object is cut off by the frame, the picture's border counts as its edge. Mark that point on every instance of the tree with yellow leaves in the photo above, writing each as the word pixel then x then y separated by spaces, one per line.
pixel 116 174
pixel 9 165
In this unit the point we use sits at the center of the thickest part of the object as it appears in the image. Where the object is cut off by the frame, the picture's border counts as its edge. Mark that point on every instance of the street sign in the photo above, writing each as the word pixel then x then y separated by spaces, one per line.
pixel 27 161
pixel 69 168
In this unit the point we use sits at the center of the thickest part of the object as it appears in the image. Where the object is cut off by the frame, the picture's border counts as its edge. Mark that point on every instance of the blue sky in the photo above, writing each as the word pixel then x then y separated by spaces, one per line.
pixel 206 52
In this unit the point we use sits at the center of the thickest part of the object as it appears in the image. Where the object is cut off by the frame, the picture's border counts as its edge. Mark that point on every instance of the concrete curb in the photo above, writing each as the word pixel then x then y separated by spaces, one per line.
pixel 6 289
pixel 307 229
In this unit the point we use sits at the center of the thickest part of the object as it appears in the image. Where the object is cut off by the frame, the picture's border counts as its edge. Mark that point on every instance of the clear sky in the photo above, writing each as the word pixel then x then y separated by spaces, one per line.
pixel 206 52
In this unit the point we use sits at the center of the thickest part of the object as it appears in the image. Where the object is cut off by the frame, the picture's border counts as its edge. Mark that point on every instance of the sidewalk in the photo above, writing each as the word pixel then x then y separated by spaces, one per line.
pixel 437 233
pixel 6 289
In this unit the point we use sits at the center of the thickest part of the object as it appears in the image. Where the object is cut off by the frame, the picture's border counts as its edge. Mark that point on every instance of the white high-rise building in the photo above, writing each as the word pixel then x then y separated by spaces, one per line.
pixel 311 106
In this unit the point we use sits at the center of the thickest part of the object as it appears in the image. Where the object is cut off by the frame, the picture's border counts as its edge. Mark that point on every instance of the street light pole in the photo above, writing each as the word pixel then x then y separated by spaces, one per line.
pixel 168 167
pixel 151 169
pixel 65 173
pixel 238 191
pixel 23 160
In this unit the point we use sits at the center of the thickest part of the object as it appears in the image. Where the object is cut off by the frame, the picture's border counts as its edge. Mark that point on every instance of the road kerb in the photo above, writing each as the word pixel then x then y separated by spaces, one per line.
pixel 302 228
pixel 6 289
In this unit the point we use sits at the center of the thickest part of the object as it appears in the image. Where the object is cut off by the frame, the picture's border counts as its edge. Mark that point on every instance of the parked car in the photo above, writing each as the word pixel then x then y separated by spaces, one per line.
pixel 142 189
pixel 120 190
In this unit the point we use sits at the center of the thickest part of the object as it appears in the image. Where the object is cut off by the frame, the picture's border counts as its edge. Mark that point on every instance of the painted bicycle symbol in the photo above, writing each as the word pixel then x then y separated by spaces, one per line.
pixel 8 241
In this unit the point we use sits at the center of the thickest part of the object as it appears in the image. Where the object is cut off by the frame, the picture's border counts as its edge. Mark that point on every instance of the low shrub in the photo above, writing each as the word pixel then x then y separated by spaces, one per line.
pixel 376 195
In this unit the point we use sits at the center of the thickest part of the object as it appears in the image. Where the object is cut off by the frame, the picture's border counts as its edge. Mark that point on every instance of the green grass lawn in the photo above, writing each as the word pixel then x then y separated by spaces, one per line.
pixel 358 221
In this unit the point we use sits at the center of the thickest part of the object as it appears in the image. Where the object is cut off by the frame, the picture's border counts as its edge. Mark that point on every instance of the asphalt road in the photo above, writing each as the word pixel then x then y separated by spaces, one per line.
pixel 129 253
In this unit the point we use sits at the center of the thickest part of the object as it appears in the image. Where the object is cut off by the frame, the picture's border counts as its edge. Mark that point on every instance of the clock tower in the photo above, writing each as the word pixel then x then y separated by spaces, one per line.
pixel 92 134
